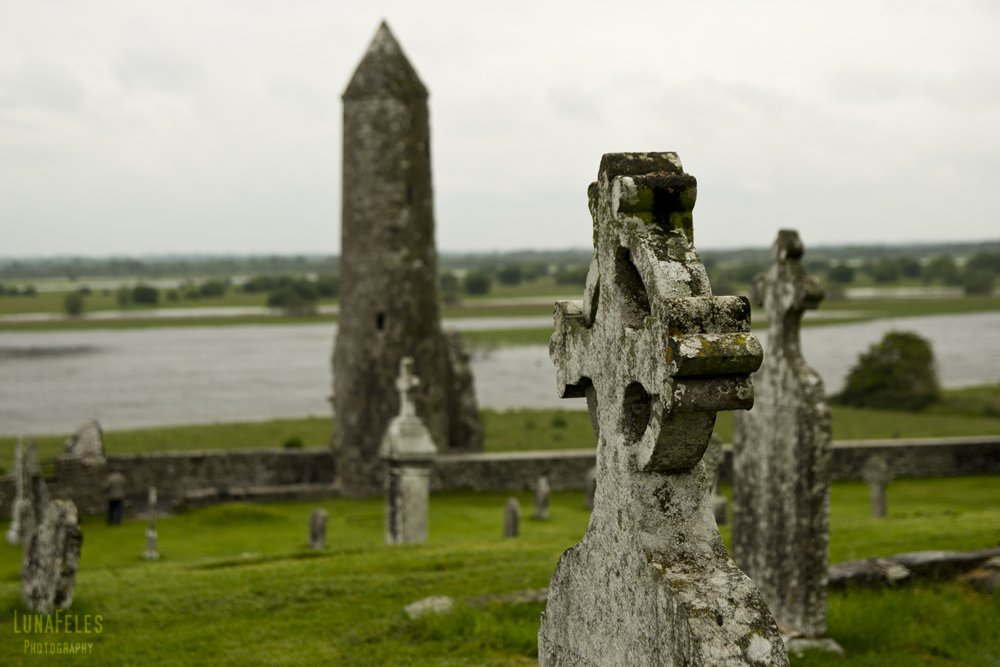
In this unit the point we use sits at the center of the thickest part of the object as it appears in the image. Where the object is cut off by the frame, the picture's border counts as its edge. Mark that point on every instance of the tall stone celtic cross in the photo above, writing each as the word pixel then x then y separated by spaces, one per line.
pixel 656 355
pixel 781 457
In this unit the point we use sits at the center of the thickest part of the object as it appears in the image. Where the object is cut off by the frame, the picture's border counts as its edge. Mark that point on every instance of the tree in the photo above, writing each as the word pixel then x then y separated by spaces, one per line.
pixel 477 282
pixel 74 304
pixel 895 374
pixel 886 270
pixel 942 268
pixel 510 275
pixel 979 281
pixel 909 267
pixel 842 274
pixel 145 294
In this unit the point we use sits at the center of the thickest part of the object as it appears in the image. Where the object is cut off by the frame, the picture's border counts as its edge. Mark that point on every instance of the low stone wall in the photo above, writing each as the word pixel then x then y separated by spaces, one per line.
pixel 190 478
pixel 512 471
pixel 187 479
pixel 913 457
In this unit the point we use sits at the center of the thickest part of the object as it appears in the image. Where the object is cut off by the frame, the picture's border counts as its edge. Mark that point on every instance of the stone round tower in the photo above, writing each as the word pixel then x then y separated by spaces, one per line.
pixel 389 271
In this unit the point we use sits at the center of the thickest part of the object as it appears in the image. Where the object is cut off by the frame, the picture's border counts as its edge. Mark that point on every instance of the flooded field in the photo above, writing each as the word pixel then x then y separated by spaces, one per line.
pixel 52 381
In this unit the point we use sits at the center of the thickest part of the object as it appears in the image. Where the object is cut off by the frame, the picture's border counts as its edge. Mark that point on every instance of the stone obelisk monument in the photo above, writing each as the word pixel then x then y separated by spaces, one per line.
pixel 389 270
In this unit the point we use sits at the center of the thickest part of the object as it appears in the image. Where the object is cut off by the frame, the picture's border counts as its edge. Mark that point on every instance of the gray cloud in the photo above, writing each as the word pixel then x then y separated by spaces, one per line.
pixel 157 69
pixel 39 84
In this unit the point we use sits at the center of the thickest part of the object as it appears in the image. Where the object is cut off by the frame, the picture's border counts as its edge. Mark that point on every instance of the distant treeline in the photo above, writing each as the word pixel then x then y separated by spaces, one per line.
pixel 165 267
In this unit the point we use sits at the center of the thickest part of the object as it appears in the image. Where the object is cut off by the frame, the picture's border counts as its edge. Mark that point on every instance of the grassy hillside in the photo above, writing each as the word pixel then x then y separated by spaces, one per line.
pixel 236 584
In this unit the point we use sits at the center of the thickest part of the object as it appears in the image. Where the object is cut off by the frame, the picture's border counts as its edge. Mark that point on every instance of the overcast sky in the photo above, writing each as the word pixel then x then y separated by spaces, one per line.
pixel 176 127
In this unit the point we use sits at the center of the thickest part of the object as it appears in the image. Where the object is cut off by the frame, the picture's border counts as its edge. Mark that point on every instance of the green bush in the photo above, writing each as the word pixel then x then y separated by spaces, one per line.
pixel 145 294
pixel 477 282
pixel 886 270
pixel 909 267
pixel 294 442
pixel 979 281
pixel 73 304
pixel 896 374
pixel 292 301
pixel 510 275
pixel 841 274
pixel 214 288
pixel 328 285
pixel 574 275
pixel 123 295
pixel 942 268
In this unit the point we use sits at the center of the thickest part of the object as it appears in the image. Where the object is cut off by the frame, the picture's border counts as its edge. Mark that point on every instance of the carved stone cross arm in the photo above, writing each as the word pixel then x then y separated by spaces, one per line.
pixel 655 353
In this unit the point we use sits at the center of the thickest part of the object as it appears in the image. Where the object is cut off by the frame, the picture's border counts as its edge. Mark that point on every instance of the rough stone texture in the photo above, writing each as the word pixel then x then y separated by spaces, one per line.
pixel 151 552
pixel 986 577
pixel 901 567
pixel 877 476
pixel 21 514
pixel 868 572
pixel 389 270
pixel 542 499
pixel 30 497
pixel 781 456
pixel 410 451
pixel 435 604
pixel 87 444
pixel 317 528
pixel 48 574
pixel 512 518
pixel 713 459
pixel 465 433
pixel 656 356
pixel 590 488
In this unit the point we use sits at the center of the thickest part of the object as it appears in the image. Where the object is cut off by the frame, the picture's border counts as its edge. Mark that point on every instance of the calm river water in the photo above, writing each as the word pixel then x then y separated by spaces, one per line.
pixel 53 381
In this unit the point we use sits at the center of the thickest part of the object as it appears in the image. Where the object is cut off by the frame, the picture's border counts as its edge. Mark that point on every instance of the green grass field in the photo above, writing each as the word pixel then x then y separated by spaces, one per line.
pixel 236 584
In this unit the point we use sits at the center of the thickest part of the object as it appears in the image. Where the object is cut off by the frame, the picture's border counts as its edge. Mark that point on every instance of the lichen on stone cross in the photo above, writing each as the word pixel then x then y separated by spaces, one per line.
pixel 656 355
pixel 407 384
pixel 781 456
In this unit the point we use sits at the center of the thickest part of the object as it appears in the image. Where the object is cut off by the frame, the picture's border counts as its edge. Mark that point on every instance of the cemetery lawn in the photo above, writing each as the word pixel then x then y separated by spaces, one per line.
pixel 237 585
pixel 963 412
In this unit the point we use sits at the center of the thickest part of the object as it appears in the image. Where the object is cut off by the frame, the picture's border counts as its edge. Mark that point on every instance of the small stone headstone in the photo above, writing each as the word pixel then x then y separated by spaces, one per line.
pixel 21 505
pixel 317 528
pixel 590 488
pixel 781 458
pixel 542 499
pixel 877 476
pixel 410 451
pixel 512 518
pixel 52 558
pixel 87 444
pixel 656 355
pixel 151 552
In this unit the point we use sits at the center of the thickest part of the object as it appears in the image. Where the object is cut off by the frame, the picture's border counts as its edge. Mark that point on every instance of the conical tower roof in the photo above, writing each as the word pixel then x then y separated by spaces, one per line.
pixel 385 71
